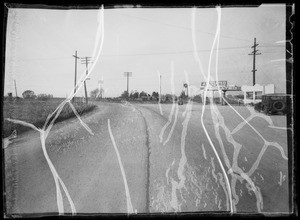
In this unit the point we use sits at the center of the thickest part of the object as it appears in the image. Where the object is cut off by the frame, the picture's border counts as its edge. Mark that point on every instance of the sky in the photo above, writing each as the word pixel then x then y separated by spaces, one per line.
pixel 40 44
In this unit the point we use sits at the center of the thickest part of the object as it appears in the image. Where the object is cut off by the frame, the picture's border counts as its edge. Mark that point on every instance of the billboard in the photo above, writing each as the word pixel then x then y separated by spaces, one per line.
pixel 213 84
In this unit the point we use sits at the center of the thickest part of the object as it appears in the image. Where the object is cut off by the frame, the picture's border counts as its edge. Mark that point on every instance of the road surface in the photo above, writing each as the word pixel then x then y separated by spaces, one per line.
pixel 171 161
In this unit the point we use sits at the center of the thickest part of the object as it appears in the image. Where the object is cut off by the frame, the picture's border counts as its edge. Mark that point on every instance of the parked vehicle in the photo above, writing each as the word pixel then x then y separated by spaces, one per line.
pixel 272 103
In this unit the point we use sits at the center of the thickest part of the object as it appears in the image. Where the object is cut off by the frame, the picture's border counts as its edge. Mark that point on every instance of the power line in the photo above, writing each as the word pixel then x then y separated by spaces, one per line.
pixel 159 53
pixel 185 28
pixel 46 59
pixel 178 52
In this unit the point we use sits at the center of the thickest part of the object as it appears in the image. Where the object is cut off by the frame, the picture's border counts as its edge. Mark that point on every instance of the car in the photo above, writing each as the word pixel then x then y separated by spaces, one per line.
pixel 274 103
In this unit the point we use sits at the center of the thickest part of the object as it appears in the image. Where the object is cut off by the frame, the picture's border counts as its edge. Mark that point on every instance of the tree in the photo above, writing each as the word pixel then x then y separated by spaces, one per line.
pixel 197 98
pixel 94 93
pixel 155 94
pixel 124 94
pixel 97 93
pixel 142 93
pixel 136 94
pixel 182 94
pixel 170 97
pixel 28 94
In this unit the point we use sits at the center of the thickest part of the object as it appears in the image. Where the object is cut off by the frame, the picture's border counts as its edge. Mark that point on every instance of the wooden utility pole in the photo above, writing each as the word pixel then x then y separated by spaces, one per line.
pixel 86 61
pixel 100 87
pixel 128 74
pixel 160 87
pixel 76 57
pixel 254 53
pixel 16 88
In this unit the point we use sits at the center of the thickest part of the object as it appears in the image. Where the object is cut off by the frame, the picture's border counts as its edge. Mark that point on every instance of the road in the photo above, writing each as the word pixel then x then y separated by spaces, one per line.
pixel 172 162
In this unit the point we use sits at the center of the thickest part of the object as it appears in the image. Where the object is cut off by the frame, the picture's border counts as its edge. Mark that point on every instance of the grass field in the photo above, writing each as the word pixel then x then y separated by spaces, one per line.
pixel 36 112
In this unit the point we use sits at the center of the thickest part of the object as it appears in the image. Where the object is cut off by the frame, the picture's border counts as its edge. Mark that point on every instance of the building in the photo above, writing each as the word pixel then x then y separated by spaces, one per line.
pixel 253 94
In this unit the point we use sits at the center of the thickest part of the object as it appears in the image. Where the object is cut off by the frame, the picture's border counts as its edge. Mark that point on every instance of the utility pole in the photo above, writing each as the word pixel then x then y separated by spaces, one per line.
pixel 76 57
pixel 160 87
pixel 128 74
pixel 254 53
pixel 100 87
pixel 16 88
pixel 86 61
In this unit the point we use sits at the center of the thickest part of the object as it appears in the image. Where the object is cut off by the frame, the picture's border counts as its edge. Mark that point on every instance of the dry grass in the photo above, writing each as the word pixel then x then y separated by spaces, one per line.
pixel 36 112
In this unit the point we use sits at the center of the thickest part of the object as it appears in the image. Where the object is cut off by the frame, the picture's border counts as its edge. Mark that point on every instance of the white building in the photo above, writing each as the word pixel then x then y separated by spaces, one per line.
pixel 252 94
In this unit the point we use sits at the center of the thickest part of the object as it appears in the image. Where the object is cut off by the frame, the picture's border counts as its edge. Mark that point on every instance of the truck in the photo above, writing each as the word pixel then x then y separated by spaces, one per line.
pixel 273 104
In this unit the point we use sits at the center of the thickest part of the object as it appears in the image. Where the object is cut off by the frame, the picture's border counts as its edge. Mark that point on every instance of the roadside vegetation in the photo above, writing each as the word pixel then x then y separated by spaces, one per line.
pixel 35 111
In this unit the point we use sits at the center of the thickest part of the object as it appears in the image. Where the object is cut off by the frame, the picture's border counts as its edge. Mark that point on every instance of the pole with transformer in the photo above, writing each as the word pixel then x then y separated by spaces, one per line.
pixel 86 61
pixel 254 53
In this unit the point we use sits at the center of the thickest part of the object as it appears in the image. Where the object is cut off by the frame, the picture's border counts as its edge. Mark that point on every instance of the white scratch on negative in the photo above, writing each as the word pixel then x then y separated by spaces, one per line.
pixel 6 141
pixel 277 60
pixel 275 127
pixel 216 39
pixel 129 204
pixel 159 96
pixel 46 128
pixel 173 106
pixel 280 180
pixel 204 152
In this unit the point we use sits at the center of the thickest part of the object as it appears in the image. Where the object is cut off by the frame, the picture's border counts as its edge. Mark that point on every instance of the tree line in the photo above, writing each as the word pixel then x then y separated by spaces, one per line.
pixel 29 94
pixel 135 95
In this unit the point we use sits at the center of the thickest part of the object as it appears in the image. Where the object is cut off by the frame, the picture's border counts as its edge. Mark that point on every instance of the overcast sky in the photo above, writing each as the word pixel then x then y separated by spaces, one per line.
pixel 40 44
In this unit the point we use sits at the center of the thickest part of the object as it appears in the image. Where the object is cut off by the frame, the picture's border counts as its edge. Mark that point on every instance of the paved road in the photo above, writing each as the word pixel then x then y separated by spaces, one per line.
pixel 170 163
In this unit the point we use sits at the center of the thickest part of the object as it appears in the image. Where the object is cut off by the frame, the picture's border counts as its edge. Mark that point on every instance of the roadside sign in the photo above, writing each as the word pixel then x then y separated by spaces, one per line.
pixel 213 84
